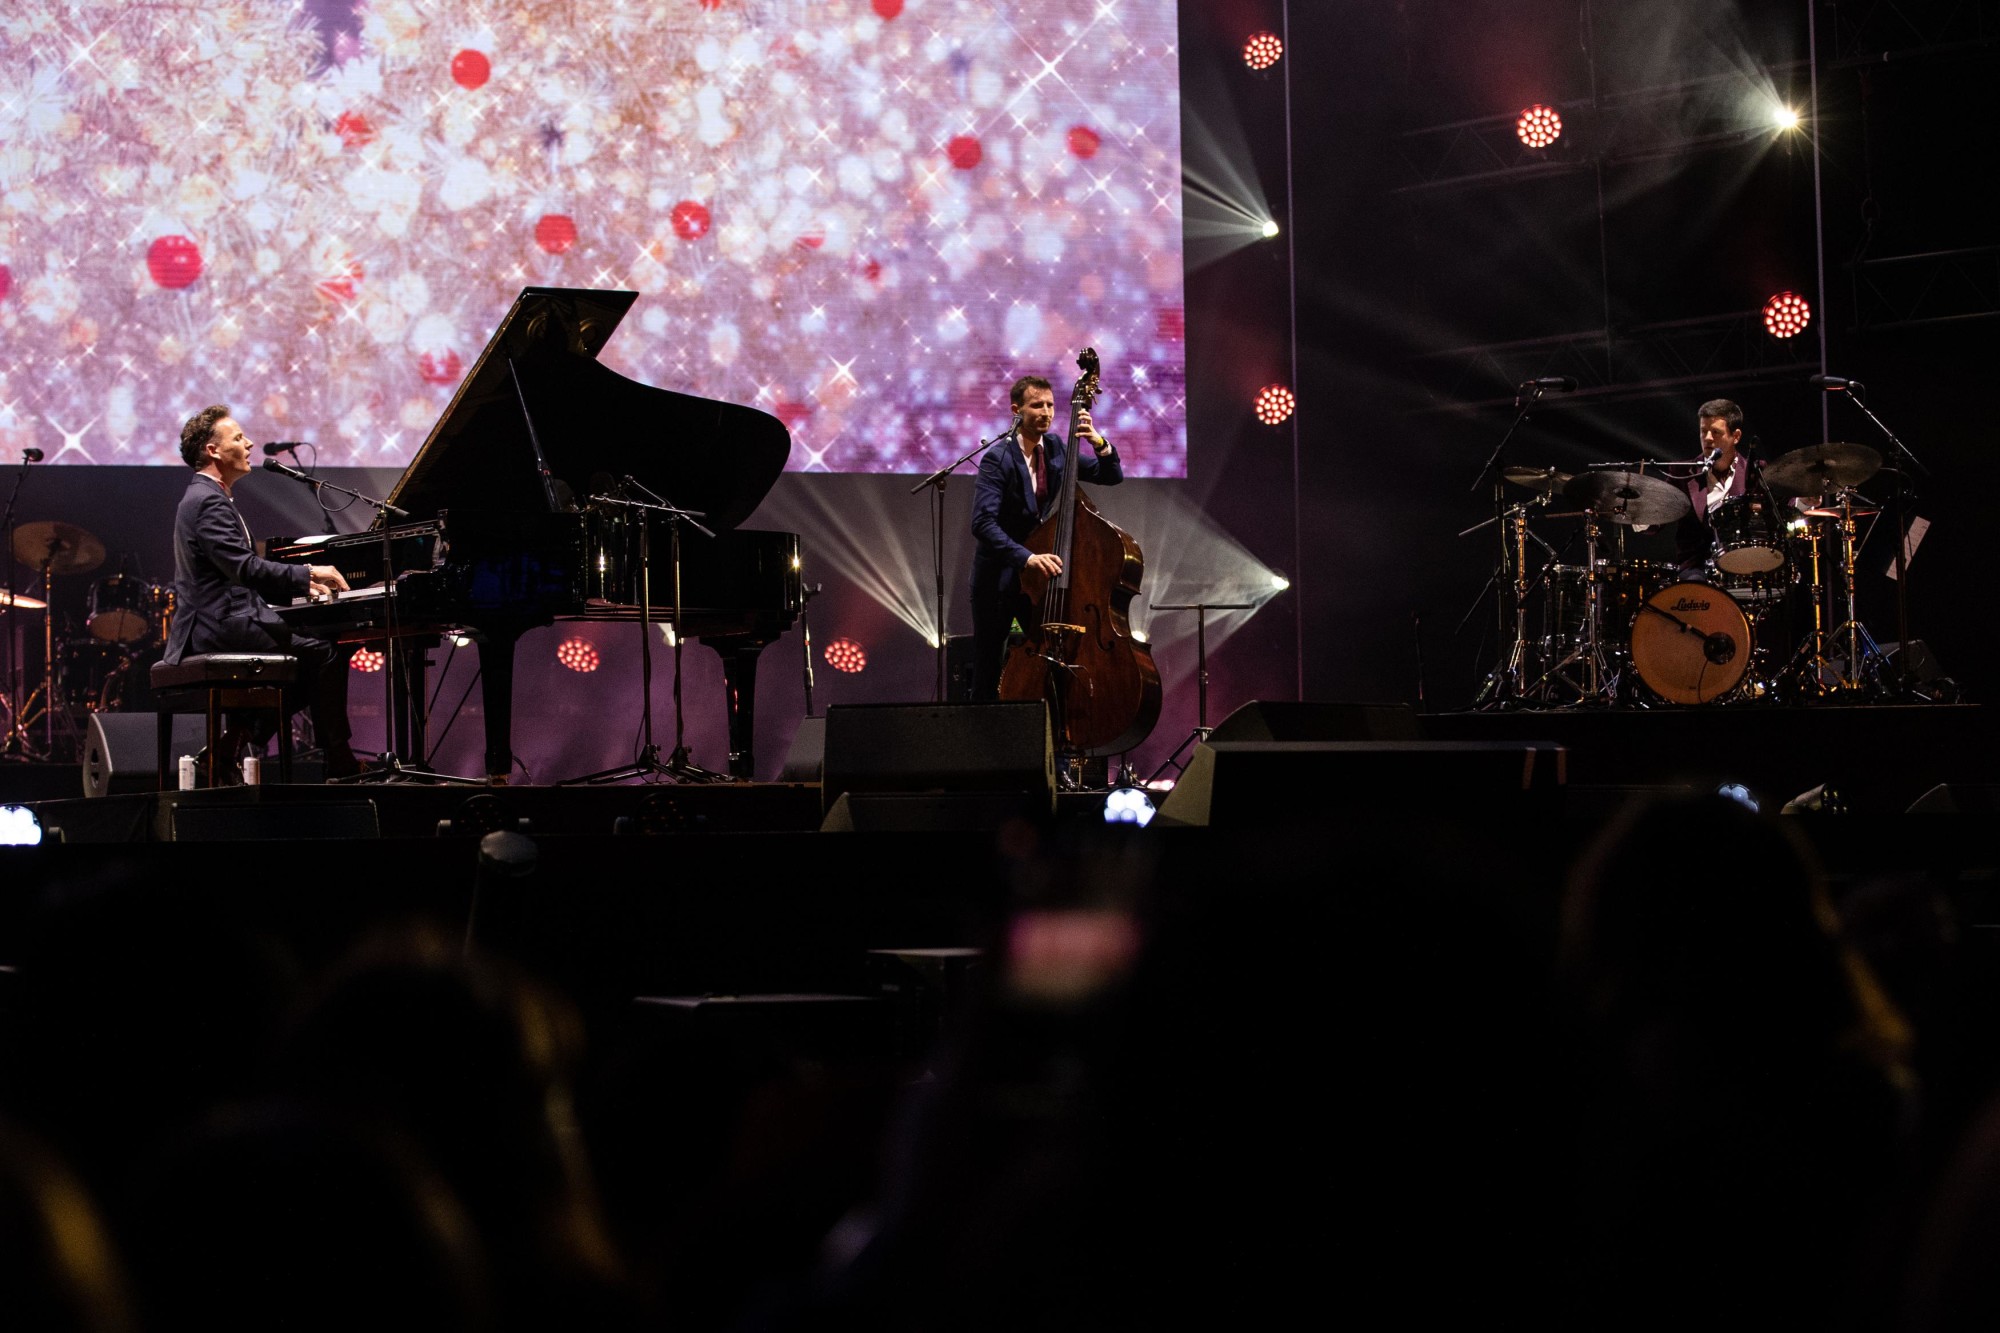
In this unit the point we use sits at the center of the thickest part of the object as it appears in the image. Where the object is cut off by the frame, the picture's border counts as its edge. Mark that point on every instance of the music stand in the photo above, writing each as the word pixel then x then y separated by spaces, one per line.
pixel 679 765
pixel 1201 728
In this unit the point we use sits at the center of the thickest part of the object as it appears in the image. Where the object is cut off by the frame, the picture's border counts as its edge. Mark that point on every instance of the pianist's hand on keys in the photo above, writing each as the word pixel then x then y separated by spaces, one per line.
pixel 323 582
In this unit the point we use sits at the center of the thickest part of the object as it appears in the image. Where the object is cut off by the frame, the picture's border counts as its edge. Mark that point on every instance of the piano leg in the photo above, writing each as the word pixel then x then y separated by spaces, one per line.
pixel 496 694
pixel 739 693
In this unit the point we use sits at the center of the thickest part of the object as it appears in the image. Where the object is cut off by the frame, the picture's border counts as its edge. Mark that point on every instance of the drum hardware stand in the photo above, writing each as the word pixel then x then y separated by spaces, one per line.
pixel 1810 666
pixel 1900 565
pixel 15 744
pixel 679 765
pixel 1202 730
pixel 806 595
pixel 1852 678
pixel 1598 677
pixel 1502 686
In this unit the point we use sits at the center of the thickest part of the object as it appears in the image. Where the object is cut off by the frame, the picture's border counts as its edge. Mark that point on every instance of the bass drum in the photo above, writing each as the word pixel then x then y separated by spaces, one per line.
pixel 1691 644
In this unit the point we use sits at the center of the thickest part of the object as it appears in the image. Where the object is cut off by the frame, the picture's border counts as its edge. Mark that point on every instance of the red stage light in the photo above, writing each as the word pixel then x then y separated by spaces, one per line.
pixel 577 654
pixel 1274 404
pixel 1262 49
pixel 366 659
pixel 1787 314
pixel 846 655
pixel 1539 126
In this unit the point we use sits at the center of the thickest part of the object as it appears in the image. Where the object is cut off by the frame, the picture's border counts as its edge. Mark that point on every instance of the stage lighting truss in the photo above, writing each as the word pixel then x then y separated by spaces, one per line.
pixel 1538 126
pixel 1787 314
pixel 1274 404
pixel 1261 50
pixel 578 654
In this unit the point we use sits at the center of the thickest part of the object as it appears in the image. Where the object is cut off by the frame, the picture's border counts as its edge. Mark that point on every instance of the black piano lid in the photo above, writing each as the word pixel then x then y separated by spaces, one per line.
pixel 717 458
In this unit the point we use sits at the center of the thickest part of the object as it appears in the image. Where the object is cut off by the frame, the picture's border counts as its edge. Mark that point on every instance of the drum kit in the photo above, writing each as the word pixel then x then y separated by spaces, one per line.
pixel 99 667
pixel 1750 623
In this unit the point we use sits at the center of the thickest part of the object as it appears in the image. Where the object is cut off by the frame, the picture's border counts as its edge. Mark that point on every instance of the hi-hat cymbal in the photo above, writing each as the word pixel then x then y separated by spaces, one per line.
pixel 1819 468
pixel 1544 479
pixel 20 601
pixel 67 548
pixel 1628 497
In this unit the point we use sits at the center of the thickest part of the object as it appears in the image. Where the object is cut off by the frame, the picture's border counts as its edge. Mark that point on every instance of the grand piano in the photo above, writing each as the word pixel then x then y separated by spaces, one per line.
pixel 513 516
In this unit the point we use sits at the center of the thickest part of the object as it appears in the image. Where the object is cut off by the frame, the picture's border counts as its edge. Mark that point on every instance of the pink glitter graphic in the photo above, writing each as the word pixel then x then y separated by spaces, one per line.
pixel 863 216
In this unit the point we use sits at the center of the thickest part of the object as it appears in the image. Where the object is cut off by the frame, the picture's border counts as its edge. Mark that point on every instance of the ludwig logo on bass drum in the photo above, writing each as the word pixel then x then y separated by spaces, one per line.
pixel 1689 604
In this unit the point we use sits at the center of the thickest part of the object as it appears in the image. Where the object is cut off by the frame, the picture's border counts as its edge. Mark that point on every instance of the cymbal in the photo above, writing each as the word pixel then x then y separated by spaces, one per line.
pixel 20 601
pixel 1819 468
pixel 1628 497
pixel 1543 479
pixel 74 551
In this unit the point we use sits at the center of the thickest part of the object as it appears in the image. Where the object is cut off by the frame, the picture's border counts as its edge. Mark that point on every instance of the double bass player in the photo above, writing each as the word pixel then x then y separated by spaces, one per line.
pixel 1019 482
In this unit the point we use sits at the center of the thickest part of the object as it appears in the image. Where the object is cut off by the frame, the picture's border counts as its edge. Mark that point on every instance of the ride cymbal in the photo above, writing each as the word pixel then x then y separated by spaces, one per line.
pixel 1628 497
pixel 1820 468
pixel 1546 480
pixel 67 548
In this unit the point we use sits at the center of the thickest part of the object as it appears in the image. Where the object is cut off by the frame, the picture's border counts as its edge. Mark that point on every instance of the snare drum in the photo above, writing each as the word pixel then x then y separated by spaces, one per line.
pixel 125 610
pixel 1691 643
pixel 1748 538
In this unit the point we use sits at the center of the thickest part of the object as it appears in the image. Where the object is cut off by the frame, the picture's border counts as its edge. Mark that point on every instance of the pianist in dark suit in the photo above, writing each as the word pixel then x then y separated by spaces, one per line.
pixel 1020 480
pixel 223 590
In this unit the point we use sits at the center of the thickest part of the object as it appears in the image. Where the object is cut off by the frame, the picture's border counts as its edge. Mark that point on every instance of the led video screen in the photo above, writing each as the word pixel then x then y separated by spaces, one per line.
pixel 862 216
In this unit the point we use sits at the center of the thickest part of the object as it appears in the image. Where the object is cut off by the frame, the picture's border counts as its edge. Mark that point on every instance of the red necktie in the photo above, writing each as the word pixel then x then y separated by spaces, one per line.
pixel 1041 478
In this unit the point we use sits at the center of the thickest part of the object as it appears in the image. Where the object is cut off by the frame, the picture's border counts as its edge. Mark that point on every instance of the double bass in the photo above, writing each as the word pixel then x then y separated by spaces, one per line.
pixel 1077 651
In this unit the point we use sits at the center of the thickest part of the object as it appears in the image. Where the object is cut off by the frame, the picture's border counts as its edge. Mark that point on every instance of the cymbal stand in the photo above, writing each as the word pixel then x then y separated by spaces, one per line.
pixel 15 744
pixel 1503 684
pixel 1900 565
pixel 1810 665
pixel 679 765
pixel 1201 728
pixel 1853 677
pixel 1597 677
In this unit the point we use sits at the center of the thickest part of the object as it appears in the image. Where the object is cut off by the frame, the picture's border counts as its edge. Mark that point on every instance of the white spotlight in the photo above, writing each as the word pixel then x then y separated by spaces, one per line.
pixel 1269 229
pixel 1128 805
pixel 1784 117
pixel 1279 582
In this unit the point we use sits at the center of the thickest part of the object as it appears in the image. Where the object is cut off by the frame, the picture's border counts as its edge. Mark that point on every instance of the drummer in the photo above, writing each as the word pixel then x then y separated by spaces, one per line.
pixel 1725 472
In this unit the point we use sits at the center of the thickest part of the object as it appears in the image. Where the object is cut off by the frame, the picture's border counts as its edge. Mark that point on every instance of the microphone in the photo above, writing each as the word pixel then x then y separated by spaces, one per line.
pixel 1558 383
pixel 1013 431
pixel 273 465
pixel 283 447
pixel 34 455
pixel 1835 384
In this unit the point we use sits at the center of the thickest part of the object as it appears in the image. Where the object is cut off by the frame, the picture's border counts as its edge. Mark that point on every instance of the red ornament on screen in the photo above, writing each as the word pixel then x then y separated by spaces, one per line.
pixel 888 9
pixel 6 281
pixel 471 69
pixel 440 367
pixel 555 233
pixel 690 220
pixel 354 129
pixel 964 152
pixel 1083 141
pixel 174 262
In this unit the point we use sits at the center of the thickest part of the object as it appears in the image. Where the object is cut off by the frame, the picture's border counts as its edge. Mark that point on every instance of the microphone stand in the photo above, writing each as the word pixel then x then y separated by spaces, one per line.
pixel 935 483
pixel 679 765
pixel 15 745
pixel 389 765
pixel 1901 566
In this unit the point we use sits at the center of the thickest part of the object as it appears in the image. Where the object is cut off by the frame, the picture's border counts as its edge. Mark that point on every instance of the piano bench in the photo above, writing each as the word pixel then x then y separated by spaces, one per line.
pixel 212 683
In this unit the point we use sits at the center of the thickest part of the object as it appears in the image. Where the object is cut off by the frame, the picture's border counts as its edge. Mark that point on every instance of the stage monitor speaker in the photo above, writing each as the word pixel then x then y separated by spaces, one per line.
pixel 806 758
pixel 950 748
pixel 1279 720
pixel 121 754
pixel 1278 784
pixel 238 820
